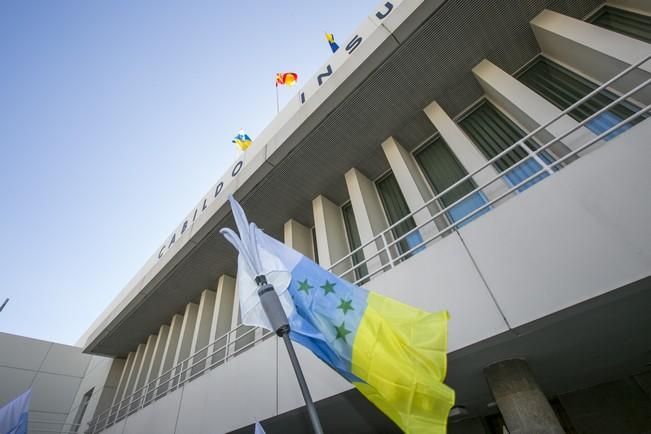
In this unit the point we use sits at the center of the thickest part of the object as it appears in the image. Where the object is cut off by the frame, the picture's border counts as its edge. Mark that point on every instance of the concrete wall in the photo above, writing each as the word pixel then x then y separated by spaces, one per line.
pixel 569 238
pixel 53 371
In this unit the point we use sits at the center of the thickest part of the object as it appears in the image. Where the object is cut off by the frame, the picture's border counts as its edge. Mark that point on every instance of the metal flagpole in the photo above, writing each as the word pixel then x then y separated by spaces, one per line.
pixel 278 319
pixel 4 304
pixel 277 103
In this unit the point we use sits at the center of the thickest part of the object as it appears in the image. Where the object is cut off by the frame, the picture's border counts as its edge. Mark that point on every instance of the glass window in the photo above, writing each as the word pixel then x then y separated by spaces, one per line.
pixel 636 26
pixel 396 208
pixel 493 133
pixel 354 240
pixel 79 416
pixel 563 88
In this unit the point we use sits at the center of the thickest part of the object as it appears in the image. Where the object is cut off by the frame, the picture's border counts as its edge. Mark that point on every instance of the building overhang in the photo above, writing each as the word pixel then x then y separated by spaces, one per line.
pixel 405 55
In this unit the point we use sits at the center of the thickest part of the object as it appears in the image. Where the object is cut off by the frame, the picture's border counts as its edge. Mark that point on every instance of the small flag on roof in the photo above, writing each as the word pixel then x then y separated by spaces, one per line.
pixel 286 78
pixel 242 140
pixel 331 40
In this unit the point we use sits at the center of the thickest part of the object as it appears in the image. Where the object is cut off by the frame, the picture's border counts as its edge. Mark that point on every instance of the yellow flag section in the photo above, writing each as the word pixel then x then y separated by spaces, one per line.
pixel 400 354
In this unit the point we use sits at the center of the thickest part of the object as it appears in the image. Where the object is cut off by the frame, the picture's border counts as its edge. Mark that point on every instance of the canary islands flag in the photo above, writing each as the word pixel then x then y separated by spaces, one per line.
pixel 331 40
pixel 394 354
pixel 242 140
pixel 13 416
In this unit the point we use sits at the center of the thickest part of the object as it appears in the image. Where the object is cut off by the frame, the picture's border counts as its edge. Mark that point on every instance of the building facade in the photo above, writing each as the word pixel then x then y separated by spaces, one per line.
pixel 490 158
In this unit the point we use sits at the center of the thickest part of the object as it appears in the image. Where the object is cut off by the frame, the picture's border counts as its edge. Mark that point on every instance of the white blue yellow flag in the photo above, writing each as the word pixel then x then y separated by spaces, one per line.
pixel 258 429
pixel 13 416
pixel 394 354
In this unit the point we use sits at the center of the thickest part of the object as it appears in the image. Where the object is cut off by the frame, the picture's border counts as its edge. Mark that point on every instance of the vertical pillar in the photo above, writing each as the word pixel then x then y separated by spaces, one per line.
pixel 222 317
pixel 330 234
pixel 528 108
pixel 465 150
pixel 157 358
pixel 167 361
pixel 124 377
pixel 413 187
pixel 185 341
pixel 141 377
pixel 299 238
pixel 524 407
pixel 369 215
pixel 593 50
pixel 201 336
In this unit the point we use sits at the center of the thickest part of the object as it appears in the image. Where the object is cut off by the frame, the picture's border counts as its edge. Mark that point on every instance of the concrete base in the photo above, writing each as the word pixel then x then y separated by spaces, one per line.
pixel 523 405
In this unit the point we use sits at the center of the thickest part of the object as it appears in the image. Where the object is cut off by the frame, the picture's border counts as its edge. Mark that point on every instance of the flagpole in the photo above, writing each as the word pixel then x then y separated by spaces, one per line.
pixel 277 103
pixel 278 319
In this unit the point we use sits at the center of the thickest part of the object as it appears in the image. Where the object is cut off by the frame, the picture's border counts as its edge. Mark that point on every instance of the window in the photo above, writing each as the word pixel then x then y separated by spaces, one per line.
pixel 621 21
pixel 442 169
pixel 81 410
pixel 354 240
pixel 396 208
pixel 563 88
pixel 493 132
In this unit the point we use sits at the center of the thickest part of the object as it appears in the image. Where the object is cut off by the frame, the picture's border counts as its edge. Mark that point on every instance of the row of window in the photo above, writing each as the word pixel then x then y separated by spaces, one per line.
pixel 493 132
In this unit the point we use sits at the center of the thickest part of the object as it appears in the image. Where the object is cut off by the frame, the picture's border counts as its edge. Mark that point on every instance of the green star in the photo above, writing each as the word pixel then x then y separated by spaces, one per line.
pixel 304 286
pixel 342 331
pixel 346 305
pixel 328 287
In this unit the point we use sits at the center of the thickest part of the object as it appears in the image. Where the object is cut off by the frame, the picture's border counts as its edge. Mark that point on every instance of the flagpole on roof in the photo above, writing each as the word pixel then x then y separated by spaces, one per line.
pixel 277 103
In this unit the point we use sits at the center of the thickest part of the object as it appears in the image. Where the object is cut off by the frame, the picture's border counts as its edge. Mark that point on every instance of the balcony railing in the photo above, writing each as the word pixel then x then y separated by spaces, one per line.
pixel 388 254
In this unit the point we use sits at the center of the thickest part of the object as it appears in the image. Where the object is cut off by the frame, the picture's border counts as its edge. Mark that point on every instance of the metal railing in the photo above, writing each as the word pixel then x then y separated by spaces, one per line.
pixel 385 249
pixel 52 426
pixel 388 255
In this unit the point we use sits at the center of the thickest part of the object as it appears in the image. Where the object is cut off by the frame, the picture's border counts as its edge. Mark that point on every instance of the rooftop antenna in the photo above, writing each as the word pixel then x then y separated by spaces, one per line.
pixel 4 304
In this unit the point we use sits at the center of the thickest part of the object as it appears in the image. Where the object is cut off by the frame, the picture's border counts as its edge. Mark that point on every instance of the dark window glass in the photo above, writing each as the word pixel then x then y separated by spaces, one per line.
pixel 396 208
pixel 354 240
pixel 563 88
pixel 628 23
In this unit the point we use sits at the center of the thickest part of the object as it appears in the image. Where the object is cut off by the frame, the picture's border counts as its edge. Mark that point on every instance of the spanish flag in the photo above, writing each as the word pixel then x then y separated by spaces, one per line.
pixel 286 78
pixel 331 40
pixel 394 354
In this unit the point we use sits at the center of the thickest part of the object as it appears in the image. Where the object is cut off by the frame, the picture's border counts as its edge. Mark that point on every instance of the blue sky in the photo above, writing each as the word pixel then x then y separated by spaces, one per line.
pixel 115 118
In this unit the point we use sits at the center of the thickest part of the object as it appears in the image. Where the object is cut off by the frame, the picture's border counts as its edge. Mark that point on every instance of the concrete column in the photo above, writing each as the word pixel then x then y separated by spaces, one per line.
pixel 201 337
pixel 157 357
pixel 597 52
pixel 369 215
pixel 413 186
pixel 331 239
pixel 465 150
pixel 528 108
pixel 137 361
pixel 222 316
pixel 167 361
pixel 524 407
pixel 124 377
pixel 299 238
pixel 185 340
pixel 148 353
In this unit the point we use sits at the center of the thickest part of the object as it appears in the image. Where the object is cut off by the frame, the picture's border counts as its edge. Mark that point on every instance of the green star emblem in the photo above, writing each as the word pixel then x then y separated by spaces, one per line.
pixel 346 305
pixel 304 286
pixel 328 287
pixel 342 331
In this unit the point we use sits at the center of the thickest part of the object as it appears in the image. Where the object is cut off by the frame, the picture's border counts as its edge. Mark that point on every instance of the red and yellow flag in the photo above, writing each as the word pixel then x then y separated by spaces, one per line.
pixel 286 78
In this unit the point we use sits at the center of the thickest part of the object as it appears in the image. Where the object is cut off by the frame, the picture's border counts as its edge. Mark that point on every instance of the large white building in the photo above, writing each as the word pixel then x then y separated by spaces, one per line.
pixel 492 158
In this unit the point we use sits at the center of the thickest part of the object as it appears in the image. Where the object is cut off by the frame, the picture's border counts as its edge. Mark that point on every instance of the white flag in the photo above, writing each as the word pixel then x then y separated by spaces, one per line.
pixel 258 429
pixel 13 416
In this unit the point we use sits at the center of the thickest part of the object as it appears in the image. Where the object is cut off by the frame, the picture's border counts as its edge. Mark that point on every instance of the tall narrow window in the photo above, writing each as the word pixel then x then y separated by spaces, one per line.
pixel 493 133
pixel 354 240
pixel 396 208
pixel 636 26
pixel 79 416
pixel 563 88
pixel 442 169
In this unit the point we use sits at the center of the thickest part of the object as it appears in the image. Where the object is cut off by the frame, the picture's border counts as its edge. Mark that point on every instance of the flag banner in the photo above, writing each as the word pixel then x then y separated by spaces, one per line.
pixel 258 429
pixel 242 140
pixel 286 78
pixel 13 416
pixel 394 354
pixel 331 40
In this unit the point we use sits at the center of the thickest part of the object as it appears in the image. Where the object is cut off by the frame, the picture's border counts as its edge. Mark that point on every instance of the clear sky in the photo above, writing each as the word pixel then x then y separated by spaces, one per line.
pixel 115 118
